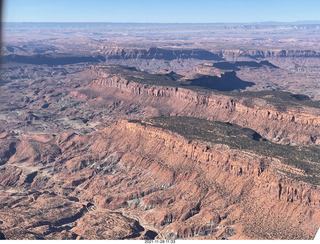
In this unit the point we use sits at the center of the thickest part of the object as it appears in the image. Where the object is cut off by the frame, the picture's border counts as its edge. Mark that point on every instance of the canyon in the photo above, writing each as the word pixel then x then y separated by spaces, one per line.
pixel 293 120
pixel 175 187
pixel 166 132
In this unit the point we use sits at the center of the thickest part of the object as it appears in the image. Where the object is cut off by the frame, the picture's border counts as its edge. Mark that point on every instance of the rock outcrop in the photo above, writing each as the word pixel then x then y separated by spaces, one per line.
pixel 160 53
pixel 136 180
pixel 278 116
pixel 231 54
pixel 193 137
pixel 267 54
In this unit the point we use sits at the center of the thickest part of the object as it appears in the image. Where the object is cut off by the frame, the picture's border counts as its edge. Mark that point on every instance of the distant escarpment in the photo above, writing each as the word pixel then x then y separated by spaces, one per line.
pixel 158 178
pixel 266 54
pixel 278 116
pixel 160 53
pixel 229 54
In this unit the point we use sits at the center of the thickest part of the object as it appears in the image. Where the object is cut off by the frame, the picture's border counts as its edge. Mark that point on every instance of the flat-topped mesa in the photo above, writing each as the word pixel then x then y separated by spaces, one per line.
pixel 298 160
pixel 278 116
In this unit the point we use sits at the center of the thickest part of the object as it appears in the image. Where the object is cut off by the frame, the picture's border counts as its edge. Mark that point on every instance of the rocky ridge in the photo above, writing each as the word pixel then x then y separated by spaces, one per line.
pixel 220 192
pixel 174 53
pixel 280 117
pixel 83 157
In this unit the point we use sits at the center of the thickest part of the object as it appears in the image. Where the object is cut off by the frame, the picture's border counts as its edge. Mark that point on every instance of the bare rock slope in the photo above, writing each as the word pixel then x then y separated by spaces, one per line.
pixel 149 179
pixel 279 116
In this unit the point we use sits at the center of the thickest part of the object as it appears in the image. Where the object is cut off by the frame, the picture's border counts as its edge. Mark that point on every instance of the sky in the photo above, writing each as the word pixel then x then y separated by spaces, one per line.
pixel 160 11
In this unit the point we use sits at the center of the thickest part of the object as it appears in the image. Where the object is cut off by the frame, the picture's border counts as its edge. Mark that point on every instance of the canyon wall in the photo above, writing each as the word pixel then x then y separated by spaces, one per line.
pixel 294 124
pixel 200 184
pixel 170 54
pixel 160 53
pixel 183 60
pixel 266 54
pixel 132 180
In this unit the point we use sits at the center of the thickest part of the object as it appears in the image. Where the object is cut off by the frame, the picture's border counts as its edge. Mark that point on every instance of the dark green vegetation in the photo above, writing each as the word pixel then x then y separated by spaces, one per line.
pixel 227 85
pixel 235 65
pixel 202 83
pixel 132 74
pixel 279 99
pixel 236 137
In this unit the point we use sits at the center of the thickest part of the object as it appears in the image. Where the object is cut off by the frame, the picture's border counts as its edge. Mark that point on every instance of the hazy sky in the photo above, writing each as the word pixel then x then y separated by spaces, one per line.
pixel 160 11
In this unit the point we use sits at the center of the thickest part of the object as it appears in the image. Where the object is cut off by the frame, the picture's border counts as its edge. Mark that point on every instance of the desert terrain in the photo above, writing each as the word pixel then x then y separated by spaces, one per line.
pixel 160 131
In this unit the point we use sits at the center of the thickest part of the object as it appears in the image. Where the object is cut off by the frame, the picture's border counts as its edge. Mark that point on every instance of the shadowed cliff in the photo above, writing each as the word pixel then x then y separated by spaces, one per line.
pixel 52 59
pixel 227 82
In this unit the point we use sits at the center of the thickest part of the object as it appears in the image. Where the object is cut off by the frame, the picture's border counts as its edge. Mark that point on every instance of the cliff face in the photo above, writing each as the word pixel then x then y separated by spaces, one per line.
pixel 275 53
pixel 216 185
pixel 135 180
pixel 160 53
pixel 294 124
pixel 170 54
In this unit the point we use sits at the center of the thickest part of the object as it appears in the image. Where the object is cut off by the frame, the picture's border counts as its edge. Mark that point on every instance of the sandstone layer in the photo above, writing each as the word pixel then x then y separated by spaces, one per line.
pixel 174 53
pixel 220 140
pixel 137 180
pixel 281 117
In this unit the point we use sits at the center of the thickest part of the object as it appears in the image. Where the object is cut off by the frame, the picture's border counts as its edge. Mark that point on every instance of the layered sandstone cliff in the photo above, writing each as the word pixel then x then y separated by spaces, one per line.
pixel 277 119
pixel 272 53
pixel 137 180
pixel 170 54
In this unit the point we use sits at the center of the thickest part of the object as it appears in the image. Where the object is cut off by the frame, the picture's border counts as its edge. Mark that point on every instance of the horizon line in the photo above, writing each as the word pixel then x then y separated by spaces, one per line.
pixel 115 22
